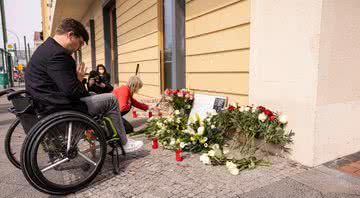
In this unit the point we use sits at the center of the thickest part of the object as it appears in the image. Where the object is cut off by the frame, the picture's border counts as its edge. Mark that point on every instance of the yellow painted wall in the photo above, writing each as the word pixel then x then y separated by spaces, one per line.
pixel 138 43
pixel 45 19
pixel 217 47
pixel 94 13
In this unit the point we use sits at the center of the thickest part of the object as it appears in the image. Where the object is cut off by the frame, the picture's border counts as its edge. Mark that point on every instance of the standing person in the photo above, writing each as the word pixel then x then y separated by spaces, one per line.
pixel 125 95
pixel 104 75
pixel 55 82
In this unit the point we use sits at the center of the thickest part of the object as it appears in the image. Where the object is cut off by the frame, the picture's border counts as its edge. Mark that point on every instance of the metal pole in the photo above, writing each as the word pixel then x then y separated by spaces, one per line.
pixel 26 57
pixel 16 54
pixel 3 23
pixel 29 52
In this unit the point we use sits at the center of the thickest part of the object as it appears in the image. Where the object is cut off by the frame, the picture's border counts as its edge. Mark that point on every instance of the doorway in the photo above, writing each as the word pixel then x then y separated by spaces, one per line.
pixel 110 40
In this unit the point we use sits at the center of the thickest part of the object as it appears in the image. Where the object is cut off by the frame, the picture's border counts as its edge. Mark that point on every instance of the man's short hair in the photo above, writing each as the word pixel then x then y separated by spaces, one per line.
pixel 72 25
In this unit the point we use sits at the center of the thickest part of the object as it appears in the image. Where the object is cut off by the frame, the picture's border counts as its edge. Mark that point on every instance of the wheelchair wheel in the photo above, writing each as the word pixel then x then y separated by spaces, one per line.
pixel 14 139
pixel 63 153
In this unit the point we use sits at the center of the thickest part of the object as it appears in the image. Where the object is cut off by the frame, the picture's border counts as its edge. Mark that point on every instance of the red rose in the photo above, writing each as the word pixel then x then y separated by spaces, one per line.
pixel 167 92
pixel 175 91
pixel 261 108
pixel 268 112
pixel 231 108
pixel 272 118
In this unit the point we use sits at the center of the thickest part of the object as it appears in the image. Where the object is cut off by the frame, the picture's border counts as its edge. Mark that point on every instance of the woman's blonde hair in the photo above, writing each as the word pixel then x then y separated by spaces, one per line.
pixel 134 83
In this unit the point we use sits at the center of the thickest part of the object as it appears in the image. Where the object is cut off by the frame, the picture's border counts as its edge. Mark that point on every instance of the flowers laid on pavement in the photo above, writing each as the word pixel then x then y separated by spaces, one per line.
pixel 242 124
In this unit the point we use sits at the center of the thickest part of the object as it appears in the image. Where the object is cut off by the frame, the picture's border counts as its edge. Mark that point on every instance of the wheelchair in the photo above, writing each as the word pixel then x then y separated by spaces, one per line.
pixel 62 151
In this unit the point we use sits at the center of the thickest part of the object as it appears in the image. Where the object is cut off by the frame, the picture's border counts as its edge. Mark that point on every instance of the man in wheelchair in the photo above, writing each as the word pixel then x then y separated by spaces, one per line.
pixel 55 82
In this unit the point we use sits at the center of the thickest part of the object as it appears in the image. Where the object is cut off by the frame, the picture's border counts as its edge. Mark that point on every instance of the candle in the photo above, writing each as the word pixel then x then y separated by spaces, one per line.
pixel 150 114
pixel 155 144
pixel 178 155
pixel 134 114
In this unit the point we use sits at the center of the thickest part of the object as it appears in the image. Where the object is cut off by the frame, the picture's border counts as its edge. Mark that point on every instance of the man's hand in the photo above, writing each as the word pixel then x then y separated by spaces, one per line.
pixel 80 71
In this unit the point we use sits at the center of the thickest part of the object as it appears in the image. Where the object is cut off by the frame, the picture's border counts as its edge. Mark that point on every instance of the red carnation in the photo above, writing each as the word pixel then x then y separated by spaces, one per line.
pixel 261 108
pixel 268 112
pixel 231 108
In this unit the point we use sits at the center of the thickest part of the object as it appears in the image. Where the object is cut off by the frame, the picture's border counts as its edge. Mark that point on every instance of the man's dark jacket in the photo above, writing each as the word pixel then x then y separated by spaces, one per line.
pixel 51 78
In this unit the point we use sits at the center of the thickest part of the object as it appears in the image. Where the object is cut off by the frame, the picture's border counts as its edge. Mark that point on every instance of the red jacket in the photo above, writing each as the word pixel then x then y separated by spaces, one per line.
pixel 125 99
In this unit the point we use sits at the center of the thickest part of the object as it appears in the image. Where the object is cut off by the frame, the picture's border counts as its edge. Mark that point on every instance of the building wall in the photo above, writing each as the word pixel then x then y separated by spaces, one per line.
pixel 99 34
pixel 338 97
pixel 217 47
pixel 45 19
pixel 284 62
pixel 138 43
pixel 94 13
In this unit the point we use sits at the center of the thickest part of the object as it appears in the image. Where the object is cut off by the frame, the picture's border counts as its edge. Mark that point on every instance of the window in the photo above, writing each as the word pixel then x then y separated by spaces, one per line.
pixel 174 44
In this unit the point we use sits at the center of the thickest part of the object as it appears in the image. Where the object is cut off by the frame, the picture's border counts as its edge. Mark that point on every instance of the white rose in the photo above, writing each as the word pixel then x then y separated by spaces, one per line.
pixel 204 158
pixel 262 117
pixel 253 110
pixel 164 143
pixel 214 113
pixel 235 105
pixel 159 124
pixel 188 107
pixel 234 171
pixel 178 120
pixel 158 132
pixel 247 109
pixel 215 146
pixel 182 144
pixel 208 120
pixel 230 165
pixel 205 139
pixel 213 126
pixel 177 112
pixel 226 150
pixel 201 130
pixel 172 142
pixel 283 119
pixel 211 153
pixel 170 119
pixel 206 145
pixel 242 109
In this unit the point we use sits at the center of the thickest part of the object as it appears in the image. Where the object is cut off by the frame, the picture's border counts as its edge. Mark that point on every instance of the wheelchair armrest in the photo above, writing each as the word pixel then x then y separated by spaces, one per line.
pixel 6 91
pixel 14 94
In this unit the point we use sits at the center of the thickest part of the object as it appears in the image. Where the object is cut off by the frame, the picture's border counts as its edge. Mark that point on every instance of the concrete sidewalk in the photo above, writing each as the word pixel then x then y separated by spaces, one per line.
pixel 155 173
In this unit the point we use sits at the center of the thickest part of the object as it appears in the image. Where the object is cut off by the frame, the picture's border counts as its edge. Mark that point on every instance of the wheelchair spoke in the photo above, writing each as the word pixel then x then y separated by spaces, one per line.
pixel 79 134
pixel 53 165
pixel 87 159
pixel 69 137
